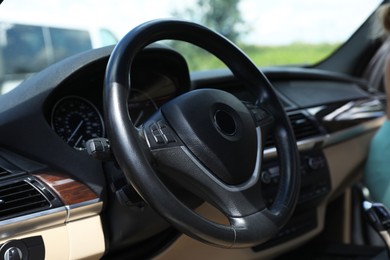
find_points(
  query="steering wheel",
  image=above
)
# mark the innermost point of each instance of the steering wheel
(206, 140)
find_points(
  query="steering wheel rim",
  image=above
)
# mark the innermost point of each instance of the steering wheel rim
(251, 224)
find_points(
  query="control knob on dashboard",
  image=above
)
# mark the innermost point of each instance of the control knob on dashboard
(315, 163)
(13, 253)
(13, 250)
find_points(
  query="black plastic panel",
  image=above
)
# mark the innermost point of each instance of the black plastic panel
(315, 185)
(314, 92)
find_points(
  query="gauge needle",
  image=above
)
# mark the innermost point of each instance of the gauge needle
(78, 140)
(75, 131)
(139, 118)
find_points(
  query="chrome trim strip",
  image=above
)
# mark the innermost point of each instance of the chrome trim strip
(31, 216)
(67, 213)
(29, 181)
(85, 209)
(303, 145)
(85, 203)
(331, 139)
(30, 222)
(49, 218)
(354, 131)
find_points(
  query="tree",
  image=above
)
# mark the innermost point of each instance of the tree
(222, 16)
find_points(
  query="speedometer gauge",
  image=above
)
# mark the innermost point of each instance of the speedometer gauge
(76, 120)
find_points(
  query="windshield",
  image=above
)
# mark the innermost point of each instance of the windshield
(279, 32)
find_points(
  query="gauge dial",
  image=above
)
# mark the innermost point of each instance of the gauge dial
(76, 120)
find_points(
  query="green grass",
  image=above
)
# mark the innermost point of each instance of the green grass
(297, 53)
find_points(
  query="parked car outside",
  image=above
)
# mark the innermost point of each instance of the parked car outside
(28, 48)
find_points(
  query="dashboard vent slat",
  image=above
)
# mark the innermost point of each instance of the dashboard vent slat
(21, 198)
(4, 172)
(302, 126)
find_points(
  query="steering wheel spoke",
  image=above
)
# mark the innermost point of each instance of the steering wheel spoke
(180, 166)
(159, 134)
(262, 118)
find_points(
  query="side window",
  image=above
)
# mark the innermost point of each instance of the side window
(23, 49)
(66, 42)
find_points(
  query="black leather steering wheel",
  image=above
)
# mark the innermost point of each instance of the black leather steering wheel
(207, 140)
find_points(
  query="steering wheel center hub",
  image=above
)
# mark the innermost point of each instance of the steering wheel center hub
(225, 122)
(218, 130)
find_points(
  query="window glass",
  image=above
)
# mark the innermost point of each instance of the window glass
(23, 49)
(278, 32)
(67, 42)
(272, 33)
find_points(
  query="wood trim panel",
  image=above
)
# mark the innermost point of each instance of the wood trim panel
(69, 190)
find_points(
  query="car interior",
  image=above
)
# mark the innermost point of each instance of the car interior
(122, 152)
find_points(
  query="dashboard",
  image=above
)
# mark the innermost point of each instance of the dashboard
(46, 122)
(75, 111)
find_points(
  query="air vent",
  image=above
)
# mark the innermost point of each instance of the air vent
(302, 126)
(20, 198)
(9, 170)
(4, 172)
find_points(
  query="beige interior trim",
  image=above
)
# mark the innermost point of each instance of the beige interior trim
(86, 238)
(55, 239)
(48, 218)
(345, 158)
(81, 239)
(187, 248)
(29, 223)
(346, 165)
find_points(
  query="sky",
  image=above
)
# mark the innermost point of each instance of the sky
(270, 22)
